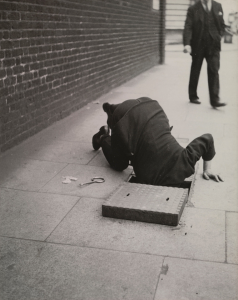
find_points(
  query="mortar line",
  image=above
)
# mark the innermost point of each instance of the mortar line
(104, 198)
(115, 14)
(226, 237)
(47, 160)
(53, 193)
(96, 154)
(52, 177)
(157, 284)
(45, 240)
(115, 250)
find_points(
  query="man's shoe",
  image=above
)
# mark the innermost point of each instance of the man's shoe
(195, 101)
(97, 137)
(218, 104)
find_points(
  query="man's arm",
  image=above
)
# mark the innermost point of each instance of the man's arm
(222, 22)
(187, 33)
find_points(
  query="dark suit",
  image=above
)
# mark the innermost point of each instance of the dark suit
(203, 31)
(140, 133)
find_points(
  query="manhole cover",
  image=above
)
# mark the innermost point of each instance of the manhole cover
(146, 203)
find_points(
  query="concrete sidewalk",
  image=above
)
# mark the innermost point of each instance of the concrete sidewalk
(54, 242)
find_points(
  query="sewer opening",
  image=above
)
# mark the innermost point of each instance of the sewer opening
(184, 185)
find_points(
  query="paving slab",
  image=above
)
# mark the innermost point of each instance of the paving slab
(33, 270)
(99, 160)
(227, 145)
(213, 195)
(221, 116)
(223, 195)
(75, 131)
(231, 130)
(226, 164)
(56, 151)
(201, 234)
(191, 129)
(174, 115)
(140, 86)
(232, 238)
(197, 280)
(31, 215)
(84, 174)
(27, 174)
(115, 96)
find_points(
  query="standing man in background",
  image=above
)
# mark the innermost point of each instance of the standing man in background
(204, 27)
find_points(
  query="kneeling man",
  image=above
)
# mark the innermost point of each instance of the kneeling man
(141, 136)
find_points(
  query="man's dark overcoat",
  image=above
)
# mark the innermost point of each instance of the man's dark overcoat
(141, 133)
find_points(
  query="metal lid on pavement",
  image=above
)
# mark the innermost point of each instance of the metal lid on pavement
(146, 203)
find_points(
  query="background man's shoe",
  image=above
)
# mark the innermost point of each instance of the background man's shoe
(97, 137)
(195, 101)
(218, 104)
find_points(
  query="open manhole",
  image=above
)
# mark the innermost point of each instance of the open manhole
(149, 203)
(187, 184)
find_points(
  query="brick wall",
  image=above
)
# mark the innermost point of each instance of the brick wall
(162, 31)
(58, 55)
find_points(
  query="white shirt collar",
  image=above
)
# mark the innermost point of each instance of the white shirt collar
(209, 4)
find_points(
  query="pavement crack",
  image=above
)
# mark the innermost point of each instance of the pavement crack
(163, 270)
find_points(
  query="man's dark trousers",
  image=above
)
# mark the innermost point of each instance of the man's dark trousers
(213, 65)
(203, 31)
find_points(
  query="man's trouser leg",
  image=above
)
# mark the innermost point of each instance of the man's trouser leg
(194, 75)
(213, 66)
(113, 155)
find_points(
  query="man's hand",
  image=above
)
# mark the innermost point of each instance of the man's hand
(187, 49)
(207, 174)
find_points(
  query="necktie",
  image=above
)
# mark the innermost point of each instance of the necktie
(205, 2)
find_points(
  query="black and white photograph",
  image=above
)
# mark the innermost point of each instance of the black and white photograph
(118, 150)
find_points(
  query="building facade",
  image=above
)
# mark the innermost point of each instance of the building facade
(176, 11)
(58, 55)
